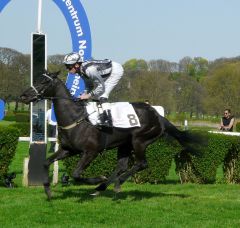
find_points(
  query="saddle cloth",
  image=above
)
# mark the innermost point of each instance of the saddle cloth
(123, 114)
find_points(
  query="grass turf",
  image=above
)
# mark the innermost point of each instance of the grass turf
(165, 205)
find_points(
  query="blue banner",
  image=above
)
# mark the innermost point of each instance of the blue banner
(75, 84)
(3, 3)
(77, 21)
(2, 109)
(78, 25)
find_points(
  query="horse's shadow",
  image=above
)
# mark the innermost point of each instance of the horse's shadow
(132, 195)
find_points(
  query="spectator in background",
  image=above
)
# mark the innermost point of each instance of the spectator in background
(227, 121)
(52, 129)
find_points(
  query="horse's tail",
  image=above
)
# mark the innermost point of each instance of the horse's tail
(186, 139)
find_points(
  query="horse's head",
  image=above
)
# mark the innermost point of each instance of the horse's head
(42, 88)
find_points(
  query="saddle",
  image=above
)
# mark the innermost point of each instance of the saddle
(123, 114)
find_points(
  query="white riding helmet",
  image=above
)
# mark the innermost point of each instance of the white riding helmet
(72, 58)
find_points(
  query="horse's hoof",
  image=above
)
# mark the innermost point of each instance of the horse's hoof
(97, 193)
(103, 178)
(117, 189)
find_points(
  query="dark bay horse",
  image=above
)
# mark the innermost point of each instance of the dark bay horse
(77, 135)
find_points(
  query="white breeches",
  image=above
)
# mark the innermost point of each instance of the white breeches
(112, 81)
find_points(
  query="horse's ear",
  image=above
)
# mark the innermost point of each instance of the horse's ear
(56, 74)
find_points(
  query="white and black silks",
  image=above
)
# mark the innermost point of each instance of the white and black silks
(104, 75)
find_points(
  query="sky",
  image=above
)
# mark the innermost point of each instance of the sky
(126, 29)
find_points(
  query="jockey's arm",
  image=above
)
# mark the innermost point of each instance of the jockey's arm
(99, 87)
(231, 123)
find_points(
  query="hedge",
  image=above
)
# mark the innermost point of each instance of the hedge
(24, 128)
(219, 150)
(203, 169)
(22, 117)
(17, 116)
(222, 150)
(159, 157)
(10, 116)
(231, 165)
(8, 143)
(102, 165)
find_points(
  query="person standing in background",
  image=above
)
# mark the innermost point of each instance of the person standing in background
(52, 129)
(227, 121)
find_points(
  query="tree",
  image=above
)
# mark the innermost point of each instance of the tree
(222, 89)
(153, 86)
(14, 76)
(188, 95)
(196, 68)
(163, 66)
(135, 65)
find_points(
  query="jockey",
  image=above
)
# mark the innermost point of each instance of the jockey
(102, 74)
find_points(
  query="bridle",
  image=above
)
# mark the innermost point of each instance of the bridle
(38, 94)
(39, 97)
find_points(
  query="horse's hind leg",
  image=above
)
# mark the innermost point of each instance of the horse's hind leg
(123, 155)
(140, 164)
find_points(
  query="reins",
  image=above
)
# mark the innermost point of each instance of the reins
(73, 124)
(77, 122)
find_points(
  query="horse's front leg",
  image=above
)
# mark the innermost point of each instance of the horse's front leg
(83, 163)
(60, 154)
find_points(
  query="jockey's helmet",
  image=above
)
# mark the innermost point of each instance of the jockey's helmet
(72, 58)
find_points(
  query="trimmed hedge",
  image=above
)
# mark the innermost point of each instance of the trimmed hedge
(24, 128)
(17, 116)
(203, 169)
(22, 117)
(8, 143)
(231, 166)
(159, 157)
(104, 164)
(10, 116)
(219, 150)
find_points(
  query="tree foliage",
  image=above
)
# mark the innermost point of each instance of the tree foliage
(192, 85)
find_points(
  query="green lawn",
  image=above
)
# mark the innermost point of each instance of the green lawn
(164, 205)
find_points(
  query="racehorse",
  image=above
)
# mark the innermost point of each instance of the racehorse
(78, 136)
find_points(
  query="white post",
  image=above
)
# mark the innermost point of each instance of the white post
(55, 169)
(185, 124)
(39, 16)
(25, 172)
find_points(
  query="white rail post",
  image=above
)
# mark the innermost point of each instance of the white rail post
(39, 16)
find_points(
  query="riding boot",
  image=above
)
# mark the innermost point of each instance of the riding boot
(109, 115)
(105, 117)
